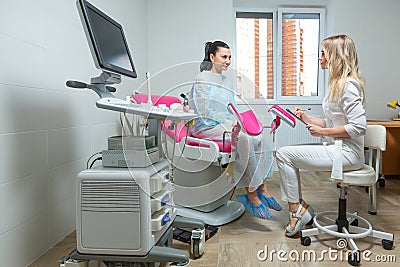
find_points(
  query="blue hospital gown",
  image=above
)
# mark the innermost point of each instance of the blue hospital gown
(210, 95)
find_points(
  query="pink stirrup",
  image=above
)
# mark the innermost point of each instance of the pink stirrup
(247, 120)
(281, 114)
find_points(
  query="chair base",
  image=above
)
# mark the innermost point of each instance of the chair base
(220, 216)
(346, 235)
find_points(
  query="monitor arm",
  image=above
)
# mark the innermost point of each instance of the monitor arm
(106, 78)
(99, 84)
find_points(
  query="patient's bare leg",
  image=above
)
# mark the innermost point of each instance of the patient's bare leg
(253, 197)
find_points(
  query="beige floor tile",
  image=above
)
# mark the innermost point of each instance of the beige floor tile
(239, 243)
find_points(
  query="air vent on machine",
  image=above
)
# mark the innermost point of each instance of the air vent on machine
(110, 196)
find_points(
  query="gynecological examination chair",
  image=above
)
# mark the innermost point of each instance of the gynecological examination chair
(202, 174)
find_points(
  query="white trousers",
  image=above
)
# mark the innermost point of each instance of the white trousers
(308, 157)
(253, 161)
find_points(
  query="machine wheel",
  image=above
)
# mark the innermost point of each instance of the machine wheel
(381, 182)
(354, 258)
(196, 248)
(306, 241)
(387, 244)
(123, 264)
(179, 264)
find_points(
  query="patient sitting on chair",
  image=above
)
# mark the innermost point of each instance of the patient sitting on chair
(210, 95)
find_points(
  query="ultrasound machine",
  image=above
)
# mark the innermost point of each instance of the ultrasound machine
(125, 210)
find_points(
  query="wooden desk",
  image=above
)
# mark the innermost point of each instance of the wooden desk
(390, 157)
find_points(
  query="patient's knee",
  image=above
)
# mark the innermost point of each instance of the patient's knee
(243, 140)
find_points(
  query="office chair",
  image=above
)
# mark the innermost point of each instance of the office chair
(346, 224)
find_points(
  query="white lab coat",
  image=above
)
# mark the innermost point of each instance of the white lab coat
(348, 112)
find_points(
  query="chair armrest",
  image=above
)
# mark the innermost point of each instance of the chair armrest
(207, 151)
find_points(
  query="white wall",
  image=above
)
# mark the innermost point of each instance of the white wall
(373, 25)
(178, 31)
(48, 131)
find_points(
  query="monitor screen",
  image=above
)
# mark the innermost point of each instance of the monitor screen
(106, 40)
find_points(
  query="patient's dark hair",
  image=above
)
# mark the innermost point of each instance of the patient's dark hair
(211, 48)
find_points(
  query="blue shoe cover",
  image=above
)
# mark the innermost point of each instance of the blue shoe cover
(260, 211)
(269, 202)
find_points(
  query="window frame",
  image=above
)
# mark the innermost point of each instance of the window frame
(277, 57)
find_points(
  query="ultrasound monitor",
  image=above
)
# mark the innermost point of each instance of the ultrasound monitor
(106, 41)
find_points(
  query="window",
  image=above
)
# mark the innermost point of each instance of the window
(254, 46)
(277, 54)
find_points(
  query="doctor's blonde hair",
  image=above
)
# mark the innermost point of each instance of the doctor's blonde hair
(341, 55)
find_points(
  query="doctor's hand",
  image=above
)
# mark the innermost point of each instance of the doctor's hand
(315, 130)
(299, 112)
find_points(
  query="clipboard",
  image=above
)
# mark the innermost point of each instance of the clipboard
(288, 110)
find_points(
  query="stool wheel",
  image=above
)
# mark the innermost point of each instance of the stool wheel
(354, 258)
(387, 244)
(381, 182)
(306, 241)
(354, 223)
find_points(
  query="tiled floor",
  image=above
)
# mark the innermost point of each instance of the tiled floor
(239, 243)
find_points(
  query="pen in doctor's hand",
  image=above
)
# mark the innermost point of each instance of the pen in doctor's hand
(305, 109)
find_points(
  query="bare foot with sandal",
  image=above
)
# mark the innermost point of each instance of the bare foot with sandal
(300, 214)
